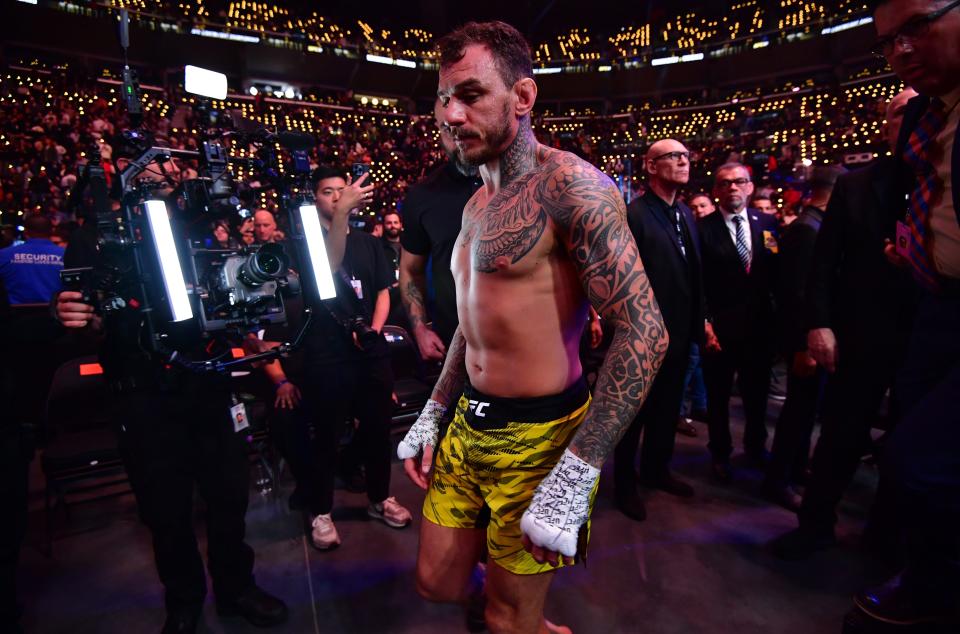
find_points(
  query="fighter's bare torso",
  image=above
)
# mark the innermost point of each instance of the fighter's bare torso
(521, 304)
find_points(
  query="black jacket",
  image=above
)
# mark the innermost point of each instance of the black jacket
(797, 244)
(740, 305)
(676, 279)
(852, 288)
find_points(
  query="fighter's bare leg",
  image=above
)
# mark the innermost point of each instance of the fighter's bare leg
(446, 560)
(515, 602)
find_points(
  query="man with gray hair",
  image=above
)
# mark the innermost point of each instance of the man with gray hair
(739, 249)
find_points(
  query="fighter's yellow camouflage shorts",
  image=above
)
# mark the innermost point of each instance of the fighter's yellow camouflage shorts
(489, 464)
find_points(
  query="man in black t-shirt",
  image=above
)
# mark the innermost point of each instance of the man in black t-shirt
(342, 379)
(432, 213)
(390, 241)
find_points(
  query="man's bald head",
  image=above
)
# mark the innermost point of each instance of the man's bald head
(667, 164)
(264, 226)
(894, 116)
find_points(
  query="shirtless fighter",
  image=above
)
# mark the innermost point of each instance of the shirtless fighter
(542, 240)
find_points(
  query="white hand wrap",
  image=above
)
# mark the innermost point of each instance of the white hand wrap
(561, 505)
(425, 431)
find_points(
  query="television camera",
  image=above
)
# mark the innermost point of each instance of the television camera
(190, 295)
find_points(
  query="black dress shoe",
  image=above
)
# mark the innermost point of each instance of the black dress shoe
(722, 472)
(632, 506)
(897, 603)
(669, 484)
(784, 496)
(800, 543)
(256, 606)
(181, 621)
(685, 427)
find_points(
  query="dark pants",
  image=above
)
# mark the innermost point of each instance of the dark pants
(657, 419)
(923, 453)
(851, 402)
(693, 381)
(16, 450)
(750, 362)
(791, 443)
(332, 394)
(171, 442)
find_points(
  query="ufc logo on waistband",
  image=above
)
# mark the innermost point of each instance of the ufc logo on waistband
(477, 408)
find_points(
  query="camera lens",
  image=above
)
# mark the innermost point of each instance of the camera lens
(269, 262)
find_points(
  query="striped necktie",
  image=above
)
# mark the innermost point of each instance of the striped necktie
(742, 249)
(928, 191)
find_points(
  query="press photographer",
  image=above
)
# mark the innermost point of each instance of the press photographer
(346, 370)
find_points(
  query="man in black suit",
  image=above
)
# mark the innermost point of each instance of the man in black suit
(852, 313)
(739, 256)
(667, 239)
(921, 41)
(791, 444)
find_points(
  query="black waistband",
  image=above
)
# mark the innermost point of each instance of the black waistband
(494, 412)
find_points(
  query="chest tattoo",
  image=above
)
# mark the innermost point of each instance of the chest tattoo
(507, 229)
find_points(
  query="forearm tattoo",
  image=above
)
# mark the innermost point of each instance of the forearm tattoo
(413, 303)
(586, 204)
(450, 384)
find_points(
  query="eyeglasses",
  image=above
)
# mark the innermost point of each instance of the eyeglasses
(910, 31)
(676, 156)
(724, 183)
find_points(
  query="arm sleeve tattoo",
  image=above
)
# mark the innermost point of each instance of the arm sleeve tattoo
(413, 282)
(590, 211)
(454, 375)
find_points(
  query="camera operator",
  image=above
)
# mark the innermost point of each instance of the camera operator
(175, 433)
(347, 370)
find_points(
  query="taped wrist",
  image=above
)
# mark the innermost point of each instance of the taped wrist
(425, 431)
(561, 505)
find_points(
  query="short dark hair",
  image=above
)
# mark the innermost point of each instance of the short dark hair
(761, 197)
(392, 212)
(701, 195)
(38, 226)
(507, 45)
(326, 171)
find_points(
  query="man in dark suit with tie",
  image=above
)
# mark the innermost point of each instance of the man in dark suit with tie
(739, 257)
(921, 41)
(666, 236)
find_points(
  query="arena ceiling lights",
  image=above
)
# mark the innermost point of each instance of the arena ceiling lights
(380, 59)
(846, 25)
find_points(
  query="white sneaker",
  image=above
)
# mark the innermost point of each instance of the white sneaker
(390, 512)
(324, 534)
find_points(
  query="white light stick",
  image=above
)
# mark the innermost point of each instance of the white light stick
(169, 261)
(203, 82)
(317, 248)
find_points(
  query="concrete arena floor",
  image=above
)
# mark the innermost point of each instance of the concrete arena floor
(697, 565)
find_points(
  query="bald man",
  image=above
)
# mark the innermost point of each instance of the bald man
(264, 226)
(666, 235)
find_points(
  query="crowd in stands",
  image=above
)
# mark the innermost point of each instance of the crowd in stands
(49, 125)
(715, 26)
